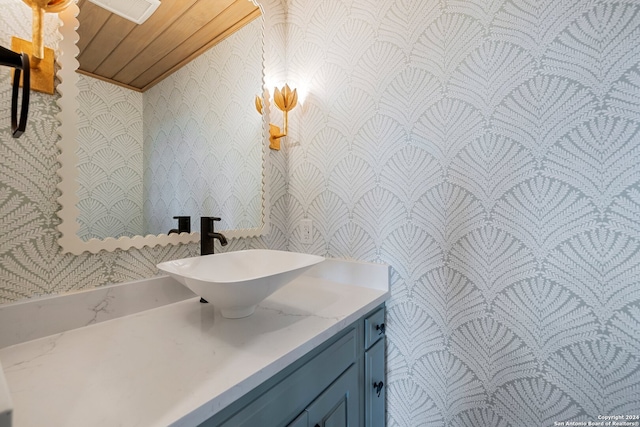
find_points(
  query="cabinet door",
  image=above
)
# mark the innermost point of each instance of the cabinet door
(375, 386)
(337, 406)
(301, 421)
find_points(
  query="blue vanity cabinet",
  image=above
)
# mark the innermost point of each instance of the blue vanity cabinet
(331, 386)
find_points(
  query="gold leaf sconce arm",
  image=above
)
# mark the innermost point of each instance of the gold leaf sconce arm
(42, 58)
(286, 100)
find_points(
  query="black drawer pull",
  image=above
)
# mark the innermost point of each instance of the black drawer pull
(378, 387)
(380, 328)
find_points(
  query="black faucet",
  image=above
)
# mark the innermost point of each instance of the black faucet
(208, 235)
(184, 225)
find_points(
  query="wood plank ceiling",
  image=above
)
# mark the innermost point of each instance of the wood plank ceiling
(139, 56)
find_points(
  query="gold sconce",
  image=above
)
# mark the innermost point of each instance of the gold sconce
(285, 99)
(42, 67)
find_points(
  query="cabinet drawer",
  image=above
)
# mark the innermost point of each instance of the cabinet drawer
(375, 385)
(374, 327)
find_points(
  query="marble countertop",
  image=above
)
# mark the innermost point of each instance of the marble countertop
(180, 363)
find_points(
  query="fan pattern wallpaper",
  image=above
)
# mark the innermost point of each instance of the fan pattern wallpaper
(202, 151)
(110, 194)
(489, 151)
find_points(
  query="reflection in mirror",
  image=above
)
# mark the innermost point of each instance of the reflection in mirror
(190, 145)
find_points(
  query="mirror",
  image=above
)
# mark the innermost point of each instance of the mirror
(131, 161)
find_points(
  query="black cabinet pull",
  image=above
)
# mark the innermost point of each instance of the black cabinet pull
(317, 425)
(378, 387)
(380, 328)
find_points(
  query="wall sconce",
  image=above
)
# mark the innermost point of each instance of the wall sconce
(42, 75)
(285, 99)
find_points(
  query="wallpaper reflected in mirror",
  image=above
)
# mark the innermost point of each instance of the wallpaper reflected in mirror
(190, 145)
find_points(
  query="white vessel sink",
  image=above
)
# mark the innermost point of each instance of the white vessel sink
(236, 282)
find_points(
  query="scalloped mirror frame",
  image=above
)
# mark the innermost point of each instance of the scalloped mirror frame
(67, 144)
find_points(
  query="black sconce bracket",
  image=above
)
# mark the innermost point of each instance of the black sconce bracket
(19, 61)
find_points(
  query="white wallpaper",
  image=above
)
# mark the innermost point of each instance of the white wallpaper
(488, 150)
(110, 194)
(202, 134)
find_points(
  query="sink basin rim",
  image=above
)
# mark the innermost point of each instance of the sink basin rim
(197, 268)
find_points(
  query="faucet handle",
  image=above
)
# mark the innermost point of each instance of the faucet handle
(206, 223)
(209, 220)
